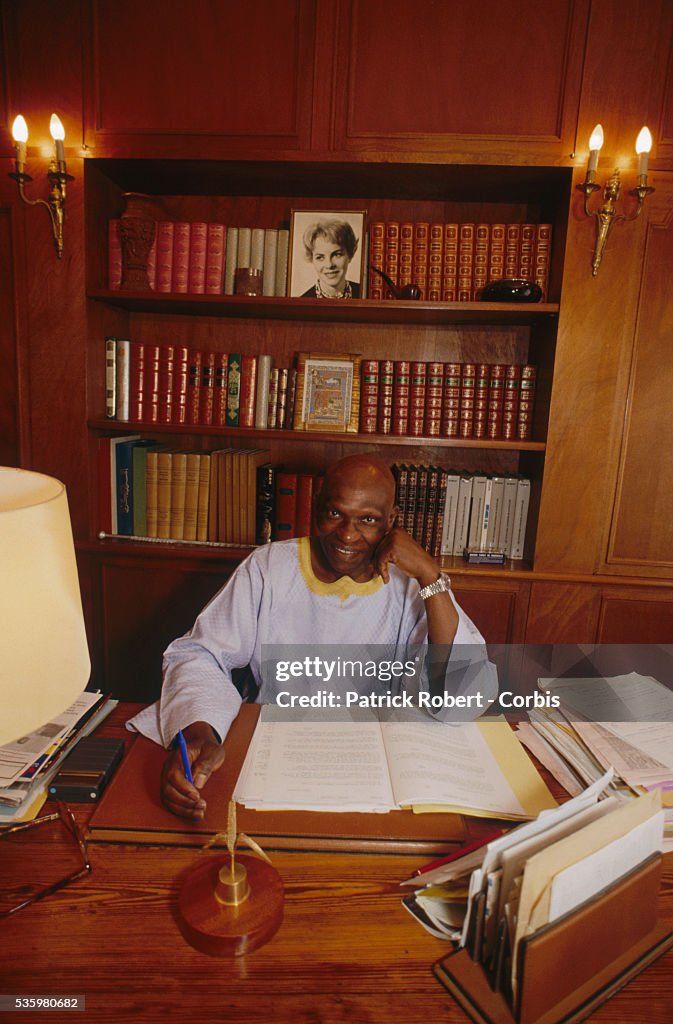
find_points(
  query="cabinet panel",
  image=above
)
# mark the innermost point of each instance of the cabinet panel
(642, 532)
(144, 607)
(199, 75)
(636, 620)
(562, 613)
(497, 609)
(426, 77)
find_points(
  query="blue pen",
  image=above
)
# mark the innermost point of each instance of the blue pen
(185, 757)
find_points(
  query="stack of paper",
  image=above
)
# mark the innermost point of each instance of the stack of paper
(624, 722)
(28, 765)
(338, 764)
(535, 874)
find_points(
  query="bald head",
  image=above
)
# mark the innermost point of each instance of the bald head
(361, 472)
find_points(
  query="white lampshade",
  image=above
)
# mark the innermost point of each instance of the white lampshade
(44, 658)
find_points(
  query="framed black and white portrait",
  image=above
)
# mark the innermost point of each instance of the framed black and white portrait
(327, 254)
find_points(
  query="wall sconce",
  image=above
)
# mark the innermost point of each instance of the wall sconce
(607, 215)
(56, 173)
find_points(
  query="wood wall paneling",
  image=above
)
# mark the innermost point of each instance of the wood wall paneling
(199, 79)
(644, 619)
(641, 538)
(10, 437)
(427, 77)
(562, 613)
(145, 606)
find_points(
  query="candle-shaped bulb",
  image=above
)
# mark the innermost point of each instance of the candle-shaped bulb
(595, 146)
(20, 135)
(643, 147)
(58, 135)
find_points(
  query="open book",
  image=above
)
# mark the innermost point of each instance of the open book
(338, 763)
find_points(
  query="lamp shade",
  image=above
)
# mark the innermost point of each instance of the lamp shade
(44, 658)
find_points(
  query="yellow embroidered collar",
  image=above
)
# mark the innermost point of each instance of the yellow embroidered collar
(344, 587)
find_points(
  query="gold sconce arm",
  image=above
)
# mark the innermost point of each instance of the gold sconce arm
(55, 204)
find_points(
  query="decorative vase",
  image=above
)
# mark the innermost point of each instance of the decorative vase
(138, 229)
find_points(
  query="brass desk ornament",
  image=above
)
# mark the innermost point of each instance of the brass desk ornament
(229, 906)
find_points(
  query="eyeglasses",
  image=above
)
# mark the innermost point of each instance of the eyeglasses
(67, 819)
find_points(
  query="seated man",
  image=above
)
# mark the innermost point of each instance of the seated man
(357, 580)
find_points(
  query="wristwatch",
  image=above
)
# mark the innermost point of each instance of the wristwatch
(440, 586)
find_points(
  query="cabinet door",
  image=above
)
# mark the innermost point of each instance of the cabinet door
(199, 78)
(143, 608)
(499, 83)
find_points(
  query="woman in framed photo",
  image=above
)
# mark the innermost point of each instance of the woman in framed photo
(329, 246)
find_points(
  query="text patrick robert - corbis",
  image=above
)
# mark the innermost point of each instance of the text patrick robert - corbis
(323, 671)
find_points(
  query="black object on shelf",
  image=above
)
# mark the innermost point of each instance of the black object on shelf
(511, 290)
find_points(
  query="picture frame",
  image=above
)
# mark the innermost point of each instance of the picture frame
(330, 235)
(328, 392)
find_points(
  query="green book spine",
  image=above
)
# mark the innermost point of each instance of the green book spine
(233, 390)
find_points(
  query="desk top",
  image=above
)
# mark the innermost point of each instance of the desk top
(346, 951)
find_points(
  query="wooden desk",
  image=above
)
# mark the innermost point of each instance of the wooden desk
(346, 951)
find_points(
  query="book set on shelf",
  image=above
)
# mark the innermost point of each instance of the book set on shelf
(448, 262)
(199, 257)
(448, 511)
(174, 384)
(454, 262)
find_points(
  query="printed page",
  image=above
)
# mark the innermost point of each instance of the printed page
(318, 763)
(451, 766)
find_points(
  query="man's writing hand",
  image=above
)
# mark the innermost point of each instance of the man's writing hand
(401, 549)
(206, 755)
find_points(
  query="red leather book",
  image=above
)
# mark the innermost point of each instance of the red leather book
(482, 243)
(527, 252)
(304, 506)
(166, 379)
(151, 383)
(451, 400)
(152, 265)
(216, 245)
(180, 376)
(207, 388)
(246, 415)
(377, 246)
(400, 421)
(281, 407)
(286, 505)
(434, 397)
(392, 254)
(435, 261)
(417, 396)
(220, 392)
(524, 430)
(496, 258)
(165, 238)
(542, 257)
(406, 254)
(481, 390)
(465, 263)
(181, 242)
(420, 257)
(512, 244)
(369, 395)
(198, 246)
(386, 384)
(496, 399)
(510, 405)
(467, 386)
(194, 386)
(137, 382)
(450, 264)
(114, 256)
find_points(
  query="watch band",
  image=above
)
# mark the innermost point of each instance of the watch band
(441, 585)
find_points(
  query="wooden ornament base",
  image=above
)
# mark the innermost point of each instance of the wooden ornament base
(219, 930)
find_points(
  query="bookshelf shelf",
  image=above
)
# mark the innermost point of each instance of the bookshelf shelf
(307, 436)
(323, 310)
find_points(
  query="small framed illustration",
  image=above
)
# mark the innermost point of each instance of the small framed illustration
(327, 254)
(328, 392)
